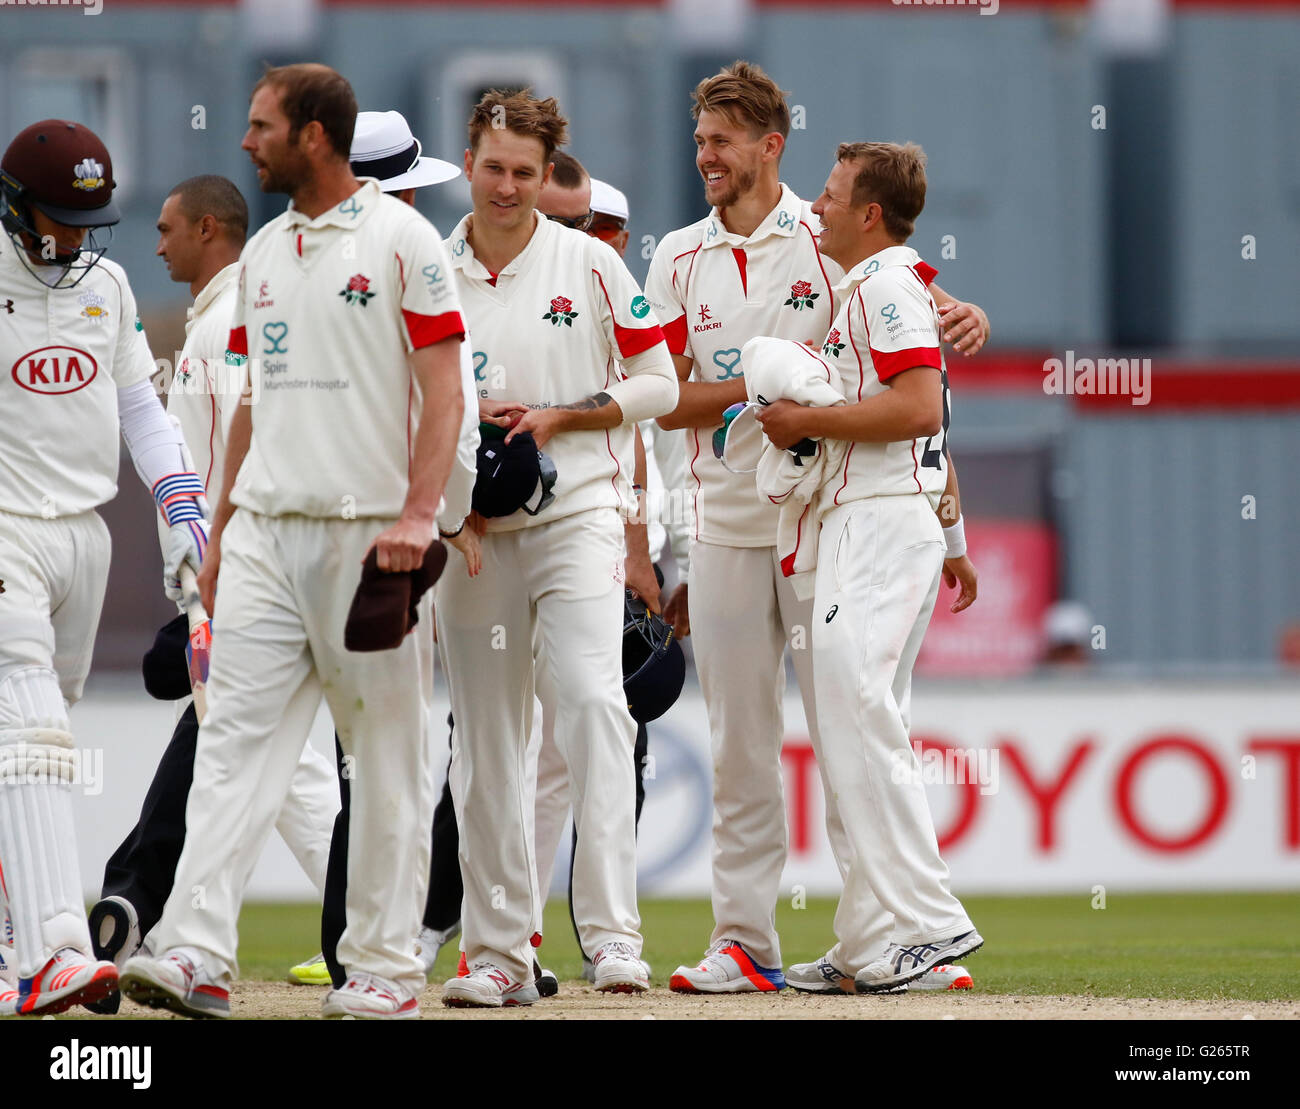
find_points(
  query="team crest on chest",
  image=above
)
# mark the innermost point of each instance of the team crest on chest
(92, 307)
(801, 295)
(561, 312)
(358, 290)
(832, 347)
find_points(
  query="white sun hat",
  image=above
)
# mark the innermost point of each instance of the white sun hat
(383, 147)
(607, 200)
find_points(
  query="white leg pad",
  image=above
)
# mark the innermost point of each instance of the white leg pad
(38, 848)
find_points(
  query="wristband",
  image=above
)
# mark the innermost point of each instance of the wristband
(178, 497)
(955, 538)
(452, 534)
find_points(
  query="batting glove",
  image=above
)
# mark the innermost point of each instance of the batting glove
(181, 501)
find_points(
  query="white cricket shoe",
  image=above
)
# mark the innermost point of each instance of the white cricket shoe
(487, 986)
(900, 965)
(727, 968)
(619, 969)
(589, 970)
(69, 978)
(8, 1001)
(430, 941)
(177, 980)
(370, 997)
(822, 976)
(945, 977)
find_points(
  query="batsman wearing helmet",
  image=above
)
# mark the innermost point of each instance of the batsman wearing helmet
(78, 367)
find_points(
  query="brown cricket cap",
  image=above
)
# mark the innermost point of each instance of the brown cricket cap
(65, 172)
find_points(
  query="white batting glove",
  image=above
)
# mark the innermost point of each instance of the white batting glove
(185, 541)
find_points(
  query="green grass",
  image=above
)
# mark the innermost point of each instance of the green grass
(1240, 946)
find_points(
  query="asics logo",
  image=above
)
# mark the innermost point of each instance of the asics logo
(831, 614)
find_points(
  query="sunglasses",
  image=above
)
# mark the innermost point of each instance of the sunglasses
(607, 228)
(731, 420)
(578, 223)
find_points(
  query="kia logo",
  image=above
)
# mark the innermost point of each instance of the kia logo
(55, 370)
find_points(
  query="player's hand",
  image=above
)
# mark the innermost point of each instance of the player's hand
(784, 423)
(477, 521)
(964, 325)
(961, 570)
(640, 574)
(401, 548)
(676, 614)
(207, 575)
(468, 543)
(542, 422)
(185, 541)
(502, 413)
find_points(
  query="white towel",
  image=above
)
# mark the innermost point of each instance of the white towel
(782, 369)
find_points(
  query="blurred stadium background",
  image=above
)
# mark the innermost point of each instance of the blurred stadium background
(1115, 178)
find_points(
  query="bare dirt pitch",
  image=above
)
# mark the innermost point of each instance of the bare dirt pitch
(579, 1001)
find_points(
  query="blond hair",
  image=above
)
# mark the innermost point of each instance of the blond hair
(890, 175)
(747, 96)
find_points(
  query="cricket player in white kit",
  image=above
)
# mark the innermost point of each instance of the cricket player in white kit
(79, 367)
(553, 312)
(202, 227)
(347, 310)
(751, 267)
(879, 556)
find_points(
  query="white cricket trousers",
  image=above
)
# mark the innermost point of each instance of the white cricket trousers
(878, 569)
(52, 579)
(283, 594)
(563, 580)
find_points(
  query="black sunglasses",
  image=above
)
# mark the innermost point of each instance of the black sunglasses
(578, 223)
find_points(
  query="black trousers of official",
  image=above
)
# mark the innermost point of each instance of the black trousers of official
(143, 867)
(442, 903)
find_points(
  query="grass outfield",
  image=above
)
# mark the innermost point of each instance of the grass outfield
(1208, 946)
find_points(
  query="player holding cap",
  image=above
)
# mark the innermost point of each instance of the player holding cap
(553, 311)
(201, 230)
(880, 553)
(80, 368)
(751, 267)
(347, 309)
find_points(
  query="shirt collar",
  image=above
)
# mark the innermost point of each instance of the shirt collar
(462, 254)
(782, 220)
(219, 283)
(347, 214)
(890, 256)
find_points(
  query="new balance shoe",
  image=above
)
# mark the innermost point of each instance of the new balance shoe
(727, 968)
(619, 969)
(8, 1001)
(177, 980)
(822, 976)
(370, 997)
(487, 986)
(430, 941)
(115, 936)
(311, 972)
(901, 965)
(945, 978)
(69, 978)
(589, 970)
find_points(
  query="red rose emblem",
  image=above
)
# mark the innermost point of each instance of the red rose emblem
(561, 304)
(358, 284)
(800, 289)
(833, 338)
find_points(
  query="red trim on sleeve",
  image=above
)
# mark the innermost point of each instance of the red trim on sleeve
(887, 363)
(925, 272)
(741, 262)
(631, 340)
(675, 335)
(427, 330)
(238, 341)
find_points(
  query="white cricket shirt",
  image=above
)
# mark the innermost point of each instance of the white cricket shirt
(887, 323)
(326, 312)
(552, 328)
(204, 391)
(64, 354)
(715, 291)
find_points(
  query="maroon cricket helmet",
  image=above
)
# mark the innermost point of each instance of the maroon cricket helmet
(62, 169)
